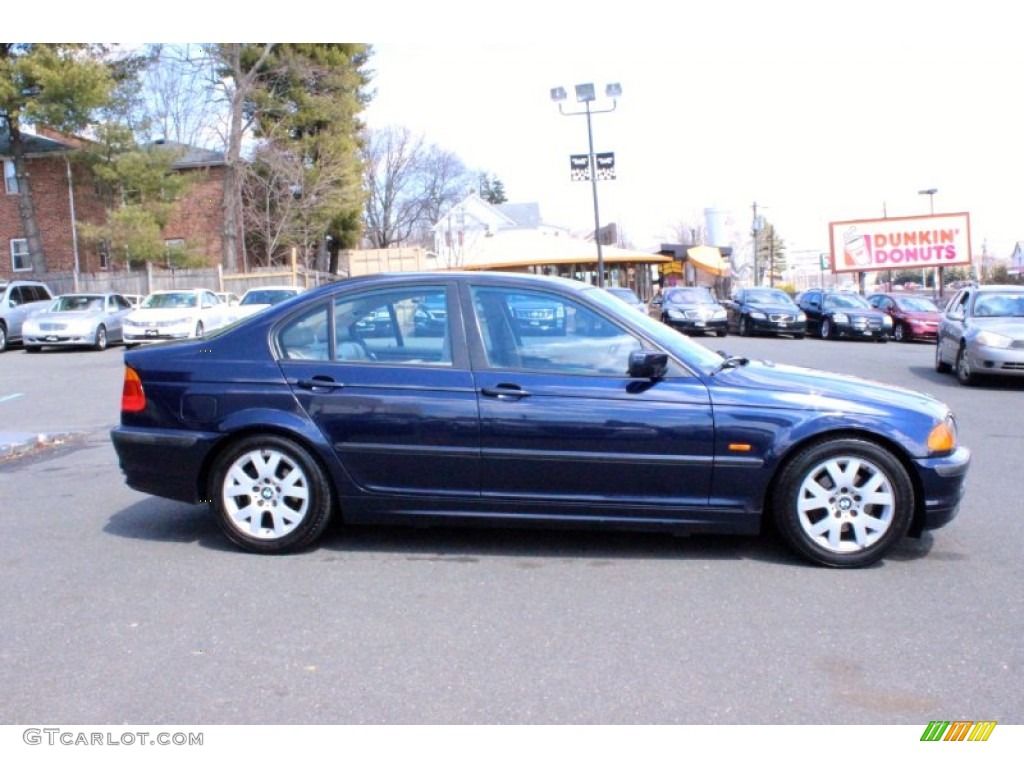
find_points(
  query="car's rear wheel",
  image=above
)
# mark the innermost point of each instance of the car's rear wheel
(101, 339)
(964, 374)
(270, 494)
(843, 502)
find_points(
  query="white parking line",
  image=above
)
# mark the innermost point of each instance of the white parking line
(11, 397)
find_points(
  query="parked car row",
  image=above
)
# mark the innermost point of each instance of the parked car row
(31, 315)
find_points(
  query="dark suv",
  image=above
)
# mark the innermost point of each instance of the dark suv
(18, 300)
(838, 314)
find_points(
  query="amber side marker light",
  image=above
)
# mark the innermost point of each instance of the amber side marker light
(133, 397)
(942, 438)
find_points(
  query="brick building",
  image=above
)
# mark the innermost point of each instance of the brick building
(58, 183)
(64, 194)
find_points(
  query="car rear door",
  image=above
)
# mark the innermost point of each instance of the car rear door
(399, 410)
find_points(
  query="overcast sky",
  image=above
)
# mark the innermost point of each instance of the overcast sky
(842, 114)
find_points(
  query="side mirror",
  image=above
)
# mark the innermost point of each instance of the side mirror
(647, 364)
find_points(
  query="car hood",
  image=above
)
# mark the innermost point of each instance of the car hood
(163, 313)
(773, 308)
(1007, 326)
(67, 316)
(795, 386)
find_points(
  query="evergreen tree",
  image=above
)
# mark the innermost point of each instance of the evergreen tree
(60, 85)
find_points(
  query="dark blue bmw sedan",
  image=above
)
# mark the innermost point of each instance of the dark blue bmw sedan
(298, 415)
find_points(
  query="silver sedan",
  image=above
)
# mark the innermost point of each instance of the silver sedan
(981, 333)
(77, 320)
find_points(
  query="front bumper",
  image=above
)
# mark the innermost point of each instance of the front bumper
(943, 483)
(993, 361)
(687, 325)
(767, 325)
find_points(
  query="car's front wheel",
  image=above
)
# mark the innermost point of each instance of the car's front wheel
(199, 329)
(827, 331)
(843, 502)
(941, 366)
(3, 337)
(964, 374)
(744, 326)
(898, 334)
(270, 494)
(100, 343)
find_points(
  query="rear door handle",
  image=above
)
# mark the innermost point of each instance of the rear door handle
(506, 392)
(319, 383)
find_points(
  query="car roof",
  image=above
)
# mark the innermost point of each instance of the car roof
(482, 277)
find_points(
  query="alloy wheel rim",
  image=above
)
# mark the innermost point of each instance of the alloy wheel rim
(265, 494)
(846, 504)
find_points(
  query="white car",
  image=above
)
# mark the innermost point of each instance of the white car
(186, 314)
(256, 299)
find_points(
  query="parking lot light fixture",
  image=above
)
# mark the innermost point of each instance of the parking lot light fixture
(586, 93)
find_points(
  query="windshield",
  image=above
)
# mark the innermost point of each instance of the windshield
(169, 301)
(846, 301)
(999, 305)
(269, 296)
(689, 296)
(625, 294)
(684, 348)
(768, 297)
(77, 304)
(916, 304)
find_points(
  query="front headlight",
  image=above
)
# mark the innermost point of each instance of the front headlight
(718, 314)
(996, 340)
(757, 315)
(801, 318)
(839, 317)
(676, 314)
(887, 321)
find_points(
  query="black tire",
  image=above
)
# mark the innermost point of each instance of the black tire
(744, 326)
(270, 516)
(3, 337)
(940, 365)
(899, 334)
(32, 348)
(821, 508)
(798, 336)
(199, 329)
(101, 339)
(827, 332)
(883, 339)
(964, 374)
(722, 333)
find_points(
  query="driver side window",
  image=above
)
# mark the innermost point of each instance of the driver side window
(537, 331)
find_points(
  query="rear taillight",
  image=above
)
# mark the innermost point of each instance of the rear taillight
(133, 397)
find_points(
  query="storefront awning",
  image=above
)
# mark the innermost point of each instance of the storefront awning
(708, 259)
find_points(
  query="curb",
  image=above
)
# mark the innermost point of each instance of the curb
(14, 444)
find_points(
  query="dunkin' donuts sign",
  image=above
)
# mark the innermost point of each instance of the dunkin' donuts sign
(912, 242)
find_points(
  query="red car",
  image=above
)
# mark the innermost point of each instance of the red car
(914, 318)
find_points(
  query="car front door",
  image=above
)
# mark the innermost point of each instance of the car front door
(563, 425)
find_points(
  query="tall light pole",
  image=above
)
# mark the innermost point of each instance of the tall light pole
(585, 94)
(755, 230)
(931, 211)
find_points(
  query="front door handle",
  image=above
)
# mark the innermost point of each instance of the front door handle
(506, 392)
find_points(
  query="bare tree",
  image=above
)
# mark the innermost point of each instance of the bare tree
(408, 183)
(179, 97)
